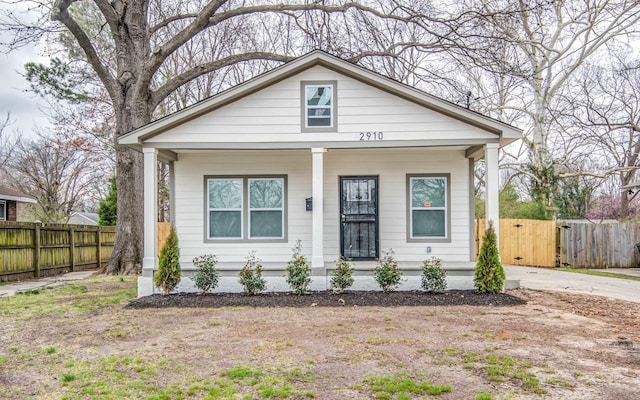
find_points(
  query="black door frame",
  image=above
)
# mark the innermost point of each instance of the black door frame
(376, 179)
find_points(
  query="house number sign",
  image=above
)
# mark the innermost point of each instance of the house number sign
(371, 136)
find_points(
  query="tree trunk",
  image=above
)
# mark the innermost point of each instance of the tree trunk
(128, 250)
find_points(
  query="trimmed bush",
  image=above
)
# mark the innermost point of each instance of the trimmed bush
(387, 273)
(434, 277)
(298, 273)
(489, 276)
(342, 276)
(168, 275)
(251, 275)
(207, 276)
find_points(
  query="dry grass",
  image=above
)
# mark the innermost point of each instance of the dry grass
(79, 342)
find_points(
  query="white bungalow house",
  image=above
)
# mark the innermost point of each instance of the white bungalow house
(323, 151)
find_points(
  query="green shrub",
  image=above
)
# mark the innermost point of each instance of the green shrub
(298, 274)
(251, 275)
(207, 276)
(168, 275)
(342, 276)
(434, 277)
(489, 275)
(387, 273)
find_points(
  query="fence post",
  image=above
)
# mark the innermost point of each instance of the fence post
(99, 248)
(36, 255)
(72, 248)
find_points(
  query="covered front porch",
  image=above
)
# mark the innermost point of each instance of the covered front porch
(313, 179)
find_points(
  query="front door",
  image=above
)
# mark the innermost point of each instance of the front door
(359, 217)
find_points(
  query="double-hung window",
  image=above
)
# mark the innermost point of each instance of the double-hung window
(266, 208)
(319, 106)
(225, 208)
(245, 208)
(3, 210)
(428, 206)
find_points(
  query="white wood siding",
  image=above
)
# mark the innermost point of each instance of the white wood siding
(190, 171)
(391, 165)
(273, 115)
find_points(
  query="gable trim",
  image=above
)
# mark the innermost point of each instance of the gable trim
(319, 58)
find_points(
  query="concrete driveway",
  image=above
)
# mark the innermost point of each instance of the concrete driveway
(551, 279)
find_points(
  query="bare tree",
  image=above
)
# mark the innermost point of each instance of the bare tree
(7, 143)
(607, 120)
(60, 173)
(134, 46)
(542, 44)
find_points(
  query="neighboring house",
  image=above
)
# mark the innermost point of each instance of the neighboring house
(84, 218)
(15, 205)
(329, 153)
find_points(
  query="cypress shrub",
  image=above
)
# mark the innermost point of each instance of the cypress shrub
(489, 275)
(168, 275)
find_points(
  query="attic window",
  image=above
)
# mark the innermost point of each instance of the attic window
(319, 106)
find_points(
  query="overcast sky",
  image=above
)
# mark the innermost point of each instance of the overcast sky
(25, 107)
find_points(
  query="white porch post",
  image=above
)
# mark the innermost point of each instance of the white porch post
(492, 186)
(150, 211)
(317, 235)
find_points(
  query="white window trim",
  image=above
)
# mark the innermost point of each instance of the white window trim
(446, 208)
(304, 107)
(3, 216)
(245, 210)
(281, 209)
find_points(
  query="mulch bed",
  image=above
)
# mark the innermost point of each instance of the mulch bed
(328, 299)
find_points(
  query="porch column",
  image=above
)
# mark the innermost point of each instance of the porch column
(150, 211)
(492, 180)
(317, 235)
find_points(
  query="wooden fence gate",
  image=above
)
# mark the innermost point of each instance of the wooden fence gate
(524, 241)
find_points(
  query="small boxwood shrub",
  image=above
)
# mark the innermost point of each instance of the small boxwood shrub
(387, 273)
(207, 276)
(342, 276)
(251, 275)
(168, 275)
(298, 273)
(434, 277)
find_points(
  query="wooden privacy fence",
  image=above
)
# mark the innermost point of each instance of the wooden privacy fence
(524, 241)
(163, 233)
(30, 250)
(607, 245)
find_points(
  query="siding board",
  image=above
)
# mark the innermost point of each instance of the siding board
(391, 165)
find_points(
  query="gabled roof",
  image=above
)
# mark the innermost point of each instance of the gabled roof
(505, 132)
(92, 218)
(7, 193)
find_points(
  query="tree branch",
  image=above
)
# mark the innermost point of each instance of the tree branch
(208, 18)
(171, 20)
(61, 13)
(163, 91)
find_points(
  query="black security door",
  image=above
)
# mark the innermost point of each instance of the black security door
(359, 217)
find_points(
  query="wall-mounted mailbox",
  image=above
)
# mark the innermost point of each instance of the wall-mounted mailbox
(309, 204)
